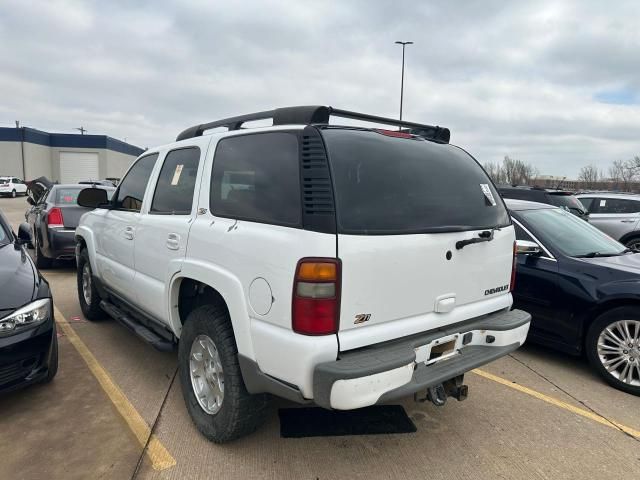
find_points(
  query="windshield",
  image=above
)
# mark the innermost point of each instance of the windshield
(566, 200)
(387, 185)
(569, 234)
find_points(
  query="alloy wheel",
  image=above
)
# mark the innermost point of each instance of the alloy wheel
(207, 375)
(619, 351)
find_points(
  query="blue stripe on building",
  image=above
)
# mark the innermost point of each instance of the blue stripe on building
(67, 140)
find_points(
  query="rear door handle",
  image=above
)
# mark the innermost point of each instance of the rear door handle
(173, 241)
(128, 233)
(628, 221)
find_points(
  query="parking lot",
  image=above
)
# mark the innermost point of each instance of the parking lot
(533, 414)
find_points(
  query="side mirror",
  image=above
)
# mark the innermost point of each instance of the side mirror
(30, 201)
(24, 233)
(525, 247)
(93, 198)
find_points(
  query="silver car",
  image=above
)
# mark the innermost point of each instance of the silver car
(616, 214)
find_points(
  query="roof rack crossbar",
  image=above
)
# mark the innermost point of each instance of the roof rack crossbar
(306, 115)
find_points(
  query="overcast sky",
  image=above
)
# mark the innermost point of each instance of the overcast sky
(553, 83)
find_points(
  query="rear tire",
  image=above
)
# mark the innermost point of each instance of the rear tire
(87, 294)
(610, 354)
(41, 261)
(235, 412)
(633, 244)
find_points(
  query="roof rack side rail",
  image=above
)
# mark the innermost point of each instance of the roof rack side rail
(306, 115)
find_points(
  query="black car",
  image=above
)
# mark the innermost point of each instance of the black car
(582, 289)
(559, 198)
(28, 340)
(54, 215)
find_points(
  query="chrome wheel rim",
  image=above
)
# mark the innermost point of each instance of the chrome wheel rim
(207, 375)
(86, 283)
(634, 245)
(619, 351)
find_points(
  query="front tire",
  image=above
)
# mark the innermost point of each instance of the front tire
(87, 293)
(13, 193)
(613, 348)
(53, 361)
(212, 385)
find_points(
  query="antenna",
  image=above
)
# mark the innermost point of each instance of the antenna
(82, 130)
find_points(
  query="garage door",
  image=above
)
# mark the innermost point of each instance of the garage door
(78, 166)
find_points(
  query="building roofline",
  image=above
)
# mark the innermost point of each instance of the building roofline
(67, 140)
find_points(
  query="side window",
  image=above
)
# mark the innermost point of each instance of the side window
(134, 184)
(521, 234)
(176, 183)
(256, 177)
(587, 203)
(618, 205)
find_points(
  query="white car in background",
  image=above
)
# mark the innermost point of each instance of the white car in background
(12, 186)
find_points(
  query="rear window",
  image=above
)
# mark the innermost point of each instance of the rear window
(566, 200)
(67, 196)
(3, 180)
(387, 185)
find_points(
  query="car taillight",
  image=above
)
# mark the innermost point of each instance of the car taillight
(512, 285)
(55, 218)
(316, 296)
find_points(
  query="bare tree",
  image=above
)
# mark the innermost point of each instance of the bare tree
(589, 176)
(495, 172)
(518, 172)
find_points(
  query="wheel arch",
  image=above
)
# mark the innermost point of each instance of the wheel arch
(629, 236)
(602, 308)
(197, 284)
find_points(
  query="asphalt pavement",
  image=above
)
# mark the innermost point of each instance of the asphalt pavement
(115, 410)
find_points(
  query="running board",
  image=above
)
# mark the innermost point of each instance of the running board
(138, 328)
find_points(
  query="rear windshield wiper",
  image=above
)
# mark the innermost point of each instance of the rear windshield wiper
(485, 236)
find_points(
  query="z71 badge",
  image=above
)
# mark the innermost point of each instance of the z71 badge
(361, 318)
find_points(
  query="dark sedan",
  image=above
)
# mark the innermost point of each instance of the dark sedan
(582, 289)
(28, 341)
(54, 215)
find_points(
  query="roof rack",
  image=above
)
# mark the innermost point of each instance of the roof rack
(306, 115)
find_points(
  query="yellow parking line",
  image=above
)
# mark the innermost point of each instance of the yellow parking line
(160, 458)
(559, 403)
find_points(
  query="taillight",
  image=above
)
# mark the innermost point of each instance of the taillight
(394, 133)
(316, 296)
(54, 218)
(512, 285)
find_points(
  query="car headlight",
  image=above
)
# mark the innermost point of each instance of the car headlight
(27, 316)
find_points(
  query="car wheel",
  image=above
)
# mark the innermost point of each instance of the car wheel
(633, 244)
(212, 384)
(613, 348)
(88, 296)
(13, 193)
(53, 361)
(41, 261)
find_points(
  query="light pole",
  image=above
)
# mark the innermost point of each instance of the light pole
(404, 44)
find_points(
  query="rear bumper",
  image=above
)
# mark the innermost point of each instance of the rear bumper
(390, 370)
(62, 243)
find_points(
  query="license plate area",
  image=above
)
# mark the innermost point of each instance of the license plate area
(439, 350)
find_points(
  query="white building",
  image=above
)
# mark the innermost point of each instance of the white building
(28, 153)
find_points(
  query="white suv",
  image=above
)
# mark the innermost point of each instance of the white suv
(342, 266)
(12, 186)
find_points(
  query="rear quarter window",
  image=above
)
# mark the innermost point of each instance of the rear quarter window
(388, 185)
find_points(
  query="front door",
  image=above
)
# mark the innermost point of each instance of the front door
(115, 242)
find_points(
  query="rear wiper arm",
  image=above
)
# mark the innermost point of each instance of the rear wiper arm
(485, 236)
